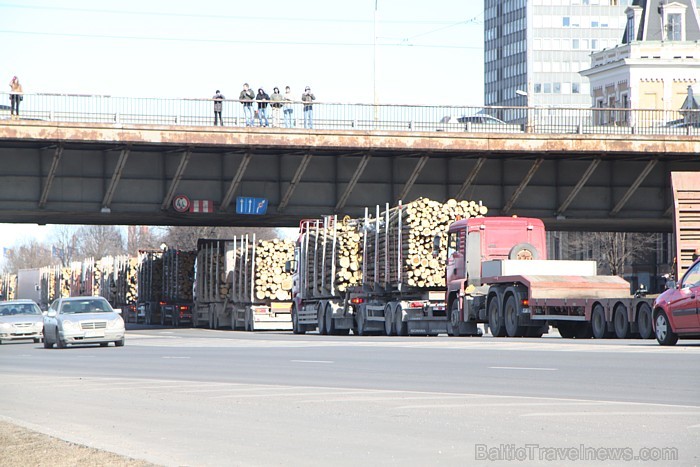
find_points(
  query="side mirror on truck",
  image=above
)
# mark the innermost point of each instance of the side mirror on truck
(290, 266)
(436, 246)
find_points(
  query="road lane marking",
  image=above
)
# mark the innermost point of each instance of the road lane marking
(312, 361)
(521, 368)
(176, 358)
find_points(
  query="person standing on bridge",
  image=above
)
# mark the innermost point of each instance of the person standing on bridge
(218, 105)
(288, 110)
(262, 99)
(15, 96)
(307, 98)
(246, 97)
(276, 107)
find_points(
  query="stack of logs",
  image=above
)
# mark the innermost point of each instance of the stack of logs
(178, 275)
(150, 276)
(271, 281)
(116, 278)
(403, 251)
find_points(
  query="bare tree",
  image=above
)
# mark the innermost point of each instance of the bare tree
(64, 243)
(185, 238)
(614, 251)
(29, 255)
(142, 237)
(98, 241)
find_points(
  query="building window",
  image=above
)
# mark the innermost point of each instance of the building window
(630, 28)
(547, 88)
(574, 44)
(673, 27)
(575, 88)
(538, 88)
(566, 21)
(557, 88)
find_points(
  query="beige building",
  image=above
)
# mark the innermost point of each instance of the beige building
(654, 66)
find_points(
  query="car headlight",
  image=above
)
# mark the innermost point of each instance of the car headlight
(39, 325)
(116, 323)
(70, 326)
(5, 325)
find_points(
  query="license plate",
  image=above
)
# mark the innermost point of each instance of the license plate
(94, 333)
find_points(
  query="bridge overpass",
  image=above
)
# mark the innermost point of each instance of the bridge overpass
(125, 173)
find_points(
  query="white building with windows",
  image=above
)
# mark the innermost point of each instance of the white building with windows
(538, 48)
(656, 63)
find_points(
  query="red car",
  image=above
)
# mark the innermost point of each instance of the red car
(676, 311)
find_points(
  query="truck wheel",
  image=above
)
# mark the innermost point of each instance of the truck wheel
(598, 324)
(566, 330)
(330, 323)
(511, 318)
(621, 322)
(453, 322)
(389, 328)
(400, 325)
(644, 321)
(523, 251)
(496, 318)
(320, 312)
(360, 317)
(664, 333)
(296, 328)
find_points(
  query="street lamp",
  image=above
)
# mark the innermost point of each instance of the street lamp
(526, 95)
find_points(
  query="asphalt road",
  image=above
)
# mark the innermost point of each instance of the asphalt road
(202, 397)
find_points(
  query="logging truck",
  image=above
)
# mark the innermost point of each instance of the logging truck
(116, 282)
(376, 274)
(498, 274)
(240, 283)
(176, 303)
(150, 286)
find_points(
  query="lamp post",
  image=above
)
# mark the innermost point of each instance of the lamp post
(526, 95)
(374, 64)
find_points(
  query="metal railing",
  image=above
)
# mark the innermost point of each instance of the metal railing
(364, 117)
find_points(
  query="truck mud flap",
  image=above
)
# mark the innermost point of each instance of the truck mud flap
(424, 328)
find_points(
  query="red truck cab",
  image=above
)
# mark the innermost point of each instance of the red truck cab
(676, 311)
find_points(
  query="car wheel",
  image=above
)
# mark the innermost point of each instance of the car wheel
(664, 333)
(119, 343)
(47, 344)
(59, 343)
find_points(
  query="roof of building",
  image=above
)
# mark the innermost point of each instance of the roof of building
(651, 24)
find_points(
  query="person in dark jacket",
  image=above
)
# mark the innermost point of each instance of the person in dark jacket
(307, 98)
(246, 97)
(218, 105)
(262, 99)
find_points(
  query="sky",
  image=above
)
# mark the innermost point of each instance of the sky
(347, 51)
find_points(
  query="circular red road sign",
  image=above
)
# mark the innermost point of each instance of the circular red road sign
(181, 203)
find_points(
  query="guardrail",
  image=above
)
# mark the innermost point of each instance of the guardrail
(367, 117)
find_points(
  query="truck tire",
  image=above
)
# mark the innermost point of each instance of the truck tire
(400, 325)
(523, 251)
(453, 322)
(320, 314)
(330, 322)
(360, 318)
(664, 333)
(644, 321)
(511, 318)
(598, 324)
(621, 322)
(389, 328)
(296, 328)
(496, 318)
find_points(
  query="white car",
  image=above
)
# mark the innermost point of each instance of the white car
(82, 320)
(20, 319)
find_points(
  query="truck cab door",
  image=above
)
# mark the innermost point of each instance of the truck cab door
(455, 257)
(685, 304)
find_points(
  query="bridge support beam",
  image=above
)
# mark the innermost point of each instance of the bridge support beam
(235, 181)
(353, 181)
(116, 176)
(518, 191)
(294, 182)
(579, 185)
(631, 190)
(184, 159)
(470, 178)
(50, 176)
(414, 176)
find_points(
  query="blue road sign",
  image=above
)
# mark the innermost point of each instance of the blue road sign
(254, 206)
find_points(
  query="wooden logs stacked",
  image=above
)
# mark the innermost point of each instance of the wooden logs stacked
(271, 280)
(8, 286)
(178, 275)
(150, 276)
(401, 240)
(51, 278)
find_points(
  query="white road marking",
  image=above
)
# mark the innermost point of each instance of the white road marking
(177, 358)
(643, 413)
(521, 368)
(312, 361)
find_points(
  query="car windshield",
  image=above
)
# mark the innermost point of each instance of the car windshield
(10, 309)
(85, 306)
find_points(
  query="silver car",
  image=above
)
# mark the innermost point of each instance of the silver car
(20, 319)
(82, 320)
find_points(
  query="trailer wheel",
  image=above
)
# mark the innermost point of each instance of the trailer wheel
(496, 318)
(389, 327)
(644, 321)
(621, 322)
(330, 322)
(598, 324)
(511, 318)
(664, 333)
(360, 317)
(296, 329)
(523, 251)
(320, 312)
(400, 325)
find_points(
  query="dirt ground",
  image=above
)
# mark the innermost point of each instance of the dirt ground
(20, 446)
